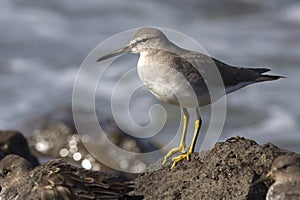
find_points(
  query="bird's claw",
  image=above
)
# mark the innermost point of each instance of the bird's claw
(173, 151)
(180, 158)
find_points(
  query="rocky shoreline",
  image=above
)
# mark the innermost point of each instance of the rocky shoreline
(227, 171)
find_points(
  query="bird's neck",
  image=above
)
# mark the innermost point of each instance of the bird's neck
(144, 59)
(153, 56)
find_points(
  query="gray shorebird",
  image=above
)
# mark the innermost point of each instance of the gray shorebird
(56, 179)
(179, 77)
(285, 171)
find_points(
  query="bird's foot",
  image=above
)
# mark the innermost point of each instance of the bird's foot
(180, 158)
(173, 151)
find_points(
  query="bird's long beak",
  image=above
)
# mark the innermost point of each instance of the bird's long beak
(120, 51)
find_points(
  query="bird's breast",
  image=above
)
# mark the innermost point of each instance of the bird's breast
(165, 82)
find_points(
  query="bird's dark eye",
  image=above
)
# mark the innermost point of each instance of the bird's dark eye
(144, 40)
(6, 172)
(285, 166)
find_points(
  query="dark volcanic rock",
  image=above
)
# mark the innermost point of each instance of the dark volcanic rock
(13, 142)
(226, 172)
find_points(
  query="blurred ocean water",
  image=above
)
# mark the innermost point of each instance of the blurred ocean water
(43, 43)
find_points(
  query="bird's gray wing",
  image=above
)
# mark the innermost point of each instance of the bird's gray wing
(200, 71)
(236, 74)
(232, 77)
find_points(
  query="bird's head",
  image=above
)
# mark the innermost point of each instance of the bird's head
(13, 170)
(144, 40)
(285, 168)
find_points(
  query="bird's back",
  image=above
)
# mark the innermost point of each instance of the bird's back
(60, 180)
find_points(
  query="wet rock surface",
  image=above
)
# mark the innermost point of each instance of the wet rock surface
(228, 171)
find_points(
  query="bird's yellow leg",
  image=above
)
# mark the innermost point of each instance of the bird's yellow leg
(181, 147)
(186, 155)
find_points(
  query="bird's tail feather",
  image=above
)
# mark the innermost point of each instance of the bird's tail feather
(265, 77)
(268, 78)
(261, 70)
